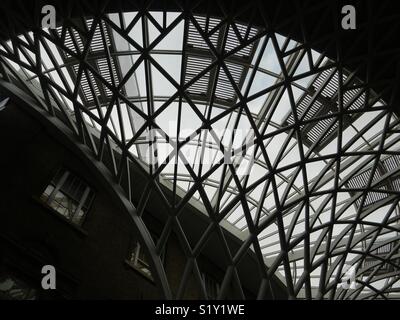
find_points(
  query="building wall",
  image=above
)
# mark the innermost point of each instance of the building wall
(90, 261)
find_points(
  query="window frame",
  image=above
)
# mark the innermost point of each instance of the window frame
(62, 174)
(135, 250)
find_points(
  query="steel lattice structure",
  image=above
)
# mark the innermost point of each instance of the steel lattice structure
(160, 91)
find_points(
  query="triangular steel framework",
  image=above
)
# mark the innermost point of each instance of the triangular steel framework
(323, 187)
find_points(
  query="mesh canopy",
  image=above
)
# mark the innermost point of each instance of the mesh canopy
(269, 139)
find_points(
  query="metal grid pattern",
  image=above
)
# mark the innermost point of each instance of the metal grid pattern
(304, 210)
(321, 99)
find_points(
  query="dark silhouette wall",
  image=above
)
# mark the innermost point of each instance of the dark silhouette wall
(90, 260)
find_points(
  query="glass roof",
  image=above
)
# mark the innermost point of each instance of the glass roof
(275, 139)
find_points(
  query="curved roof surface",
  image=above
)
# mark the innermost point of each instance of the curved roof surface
(272, 140)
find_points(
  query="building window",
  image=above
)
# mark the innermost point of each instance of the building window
(138, 260)
(12, 288)
(211, 285)
(68, 195)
